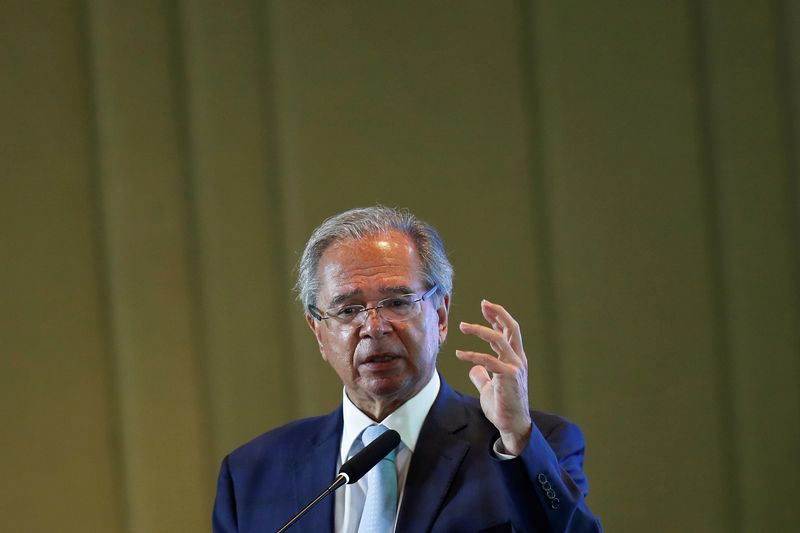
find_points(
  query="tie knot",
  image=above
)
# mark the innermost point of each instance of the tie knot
(373, 432)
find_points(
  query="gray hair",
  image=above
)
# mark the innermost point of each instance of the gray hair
(367, 221)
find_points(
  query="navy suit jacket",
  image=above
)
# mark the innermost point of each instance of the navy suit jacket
(454, 483)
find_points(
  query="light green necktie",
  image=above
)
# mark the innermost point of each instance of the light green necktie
(380, 506)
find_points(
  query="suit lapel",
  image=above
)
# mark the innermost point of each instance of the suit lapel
(316, 468)
(434, 464)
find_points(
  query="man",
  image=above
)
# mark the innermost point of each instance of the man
(376, 284)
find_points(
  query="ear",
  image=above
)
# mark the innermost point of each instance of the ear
(443, 311)
(316, 328)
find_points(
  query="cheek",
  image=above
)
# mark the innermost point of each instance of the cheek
(337, 344)
(426, 338)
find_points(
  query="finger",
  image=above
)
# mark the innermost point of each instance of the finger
(479, 377)
(496, 339)
(482, 332)
(496, 314)
(501, 319)
(492, 364)
(496, 324)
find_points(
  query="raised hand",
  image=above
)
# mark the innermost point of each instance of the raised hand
(502, 381)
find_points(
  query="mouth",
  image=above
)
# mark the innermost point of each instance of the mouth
(379, 358)
(380, 362)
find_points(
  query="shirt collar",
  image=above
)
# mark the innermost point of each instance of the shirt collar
(406, 420)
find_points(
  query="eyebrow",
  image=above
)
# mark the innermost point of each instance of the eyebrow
(397, 290)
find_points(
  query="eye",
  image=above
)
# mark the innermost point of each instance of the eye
(349, 310)
(396, 303)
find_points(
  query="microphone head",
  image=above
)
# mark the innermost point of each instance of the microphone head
(363, 461)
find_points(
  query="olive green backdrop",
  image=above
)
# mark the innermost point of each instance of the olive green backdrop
(623, 176)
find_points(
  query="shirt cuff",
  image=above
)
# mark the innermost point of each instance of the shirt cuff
(500, 451)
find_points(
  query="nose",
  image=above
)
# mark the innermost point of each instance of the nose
(374, 324)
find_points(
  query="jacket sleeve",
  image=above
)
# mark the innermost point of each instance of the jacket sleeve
(224, 516)
(546, 484)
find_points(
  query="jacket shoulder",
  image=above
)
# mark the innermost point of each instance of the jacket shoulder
(560, 432)
(280, 443)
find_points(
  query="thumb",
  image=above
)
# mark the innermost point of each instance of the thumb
(479, 377)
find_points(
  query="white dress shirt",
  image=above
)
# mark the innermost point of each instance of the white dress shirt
(407, 421)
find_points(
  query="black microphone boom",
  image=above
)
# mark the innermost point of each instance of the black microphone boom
(363, 461)
(355, 468)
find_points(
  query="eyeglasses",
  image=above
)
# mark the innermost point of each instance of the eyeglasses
(394, 309)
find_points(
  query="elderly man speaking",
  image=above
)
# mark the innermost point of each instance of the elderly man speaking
(375, 284)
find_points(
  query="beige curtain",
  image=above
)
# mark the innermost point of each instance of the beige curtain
(623, 176)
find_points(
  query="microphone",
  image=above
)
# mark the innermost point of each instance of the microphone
(355, 468)
(363, 461)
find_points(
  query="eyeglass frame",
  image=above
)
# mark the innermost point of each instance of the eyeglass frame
(316, 312)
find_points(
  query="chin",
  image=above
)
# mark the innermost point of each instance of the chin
(389, 385)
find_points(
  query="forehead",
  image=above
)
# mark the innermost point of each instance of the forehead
(370, 264)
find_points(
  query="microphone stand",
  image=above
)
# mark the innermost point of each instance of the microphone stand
(355, 467)
(340, 480)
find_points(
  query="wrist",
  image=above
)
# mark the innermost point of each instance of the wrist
(513, 443)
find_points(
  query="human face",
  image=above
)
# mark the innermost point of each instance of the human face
(381, 364)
